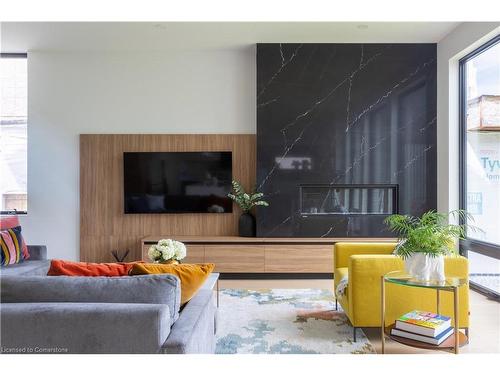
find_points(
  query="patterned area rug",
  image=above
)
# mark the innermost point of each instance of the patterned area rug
(279, 321)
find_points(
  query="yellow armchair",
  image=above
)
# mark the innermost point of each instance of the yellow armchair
(364, 264)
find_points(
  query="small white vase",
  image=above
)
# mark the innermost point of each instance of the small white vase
(425, 268)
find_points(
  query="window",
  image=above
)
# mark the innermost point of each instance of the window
(480, 162)
(13, 133)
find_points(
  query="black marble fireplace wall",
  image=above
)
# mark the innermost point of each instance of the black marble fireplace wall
(346, 134)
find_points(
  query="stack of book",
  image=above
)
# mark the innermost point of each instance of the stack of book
(423, 326)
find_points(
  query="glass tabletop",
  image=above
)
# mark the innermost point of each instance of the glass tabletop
(402, 278)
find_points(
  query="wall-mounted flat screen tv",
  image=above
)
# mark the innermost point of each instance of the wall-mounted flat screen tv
(177, 182)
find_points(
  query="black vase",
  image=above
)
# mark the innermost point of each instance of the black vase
(246, 227)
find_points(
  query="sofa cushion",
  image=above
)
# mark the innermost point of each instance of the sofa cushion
(67, 268)
(192, 276)
(28, 268)
(155, 289)
(8, 222)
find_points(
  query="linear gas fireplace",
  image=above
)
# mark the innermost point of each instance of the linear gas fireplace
(348, 199)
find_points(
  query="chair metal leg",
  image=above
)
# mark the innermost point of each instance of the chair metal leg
(336, 306)
(354, 333)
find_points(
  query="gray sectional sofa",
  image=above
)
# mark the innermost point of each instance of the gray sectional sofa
(68, 314)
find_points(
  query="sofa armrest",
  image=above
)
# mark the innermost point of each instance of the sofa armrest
(211, 281)
(84, 327)
(37, 252)
(365, 272)
(194, 330)
(344, 250)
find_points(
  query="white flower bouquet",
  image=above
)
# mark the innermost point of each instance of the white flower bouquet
(167, 251)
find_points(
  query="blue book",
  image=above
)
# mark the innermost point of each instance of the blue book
(429, 340)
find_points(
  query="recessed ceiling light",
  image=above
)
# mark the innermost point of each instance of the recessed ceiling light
(362, 26)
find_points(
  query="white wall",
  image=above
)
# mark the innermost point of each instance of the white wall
(462, 40)
(80, 92)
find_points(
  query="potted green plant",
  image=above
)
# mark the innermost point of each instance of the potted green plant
(246, 225)
(425, 240)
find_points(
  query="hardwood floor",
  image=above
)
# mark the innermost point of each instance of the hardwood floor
(484, 315)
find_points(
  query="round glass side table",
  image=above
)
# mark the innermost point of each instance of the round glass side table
(451, 284)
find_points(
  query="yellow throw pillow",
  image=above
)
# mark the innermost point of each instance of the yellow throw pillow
(192, 276)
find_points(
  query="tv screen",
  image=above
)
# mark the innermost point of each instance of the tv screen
(177, 182)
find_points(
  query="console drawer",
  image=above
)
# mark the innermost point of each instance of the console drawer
(235, 258)
(299, 258)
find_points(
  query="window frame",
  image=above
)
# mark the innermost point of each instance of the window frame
(469, 244)
(16, 55)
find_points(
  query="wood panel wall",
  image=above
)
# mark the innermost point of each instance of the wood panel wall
(103, 225)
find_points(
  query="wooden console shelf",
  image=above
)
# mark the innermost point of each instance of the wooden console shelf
(232, 254)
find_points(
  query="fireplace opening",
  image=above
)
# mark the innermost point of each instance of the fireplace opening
(352, 199)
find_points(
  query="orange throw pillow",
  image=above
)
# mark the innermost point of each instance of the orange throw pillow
(66, 268)
(192, 276)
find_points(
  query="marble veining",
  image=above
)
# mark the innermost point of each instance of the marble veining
(285, 153)
(386, 95)
(284, 63)
(413, 160)
(344, 114)
(327, 232)
(318, 102)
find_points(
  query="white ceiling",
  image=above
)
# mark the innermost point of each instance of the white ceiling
(158, 36)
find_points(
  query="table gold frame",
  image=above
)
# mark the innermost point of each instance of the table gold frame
(445, 286)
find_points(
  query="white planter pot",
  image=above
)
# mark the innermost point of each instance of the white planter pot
(425, 268)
